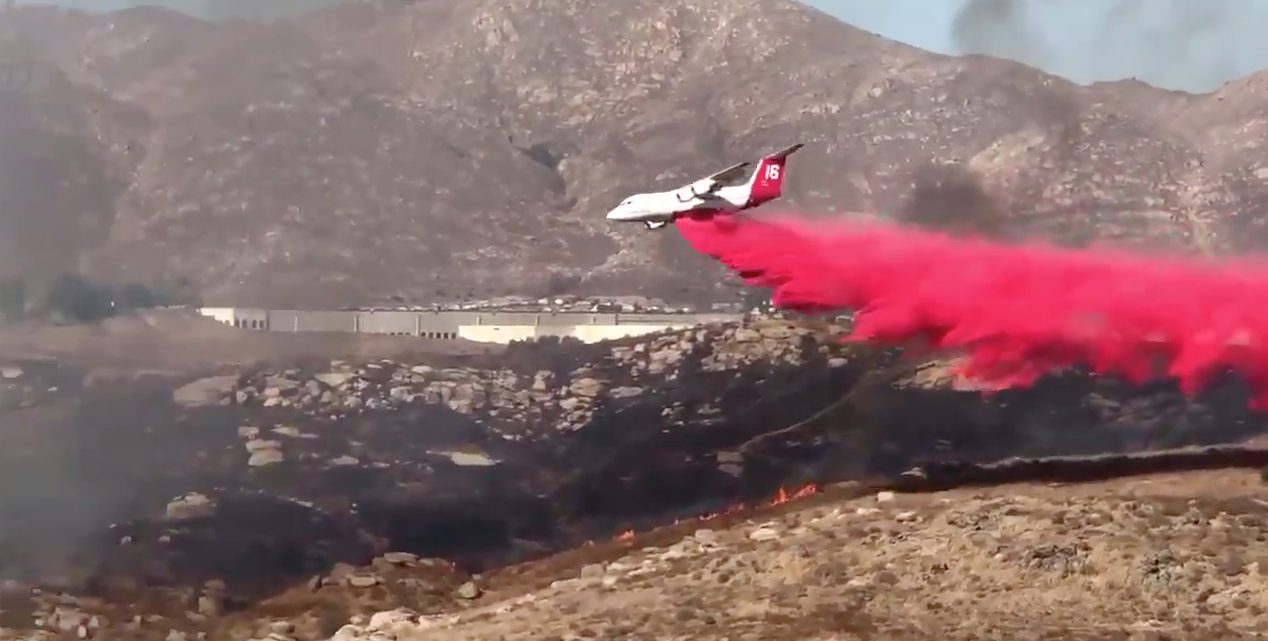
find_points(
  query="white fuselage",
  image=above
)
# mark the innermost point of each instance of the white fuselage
(662, 206)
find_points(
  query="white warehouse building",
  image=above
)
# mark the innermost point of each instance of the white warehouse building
(482, 326)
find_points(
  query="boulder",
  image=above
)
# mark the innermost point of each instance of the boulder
(207, 391)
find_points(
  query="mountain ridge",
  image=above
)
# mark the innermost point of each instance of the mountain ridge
(467, 148)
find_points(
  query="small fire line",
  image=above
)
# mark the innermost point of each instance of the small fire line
(781, 497)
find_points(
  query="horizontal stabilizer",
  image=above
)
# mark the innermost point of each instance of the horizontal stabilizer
(730, 173)
(785, 152)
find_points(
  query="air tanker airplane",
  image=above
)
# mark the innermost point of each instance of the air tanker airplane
(710, 194)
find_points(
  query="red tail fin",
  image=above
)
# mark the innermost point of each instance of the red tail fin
(768, 181)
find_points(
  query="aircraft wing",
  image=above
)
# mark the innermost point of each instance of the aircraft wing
(710, 183)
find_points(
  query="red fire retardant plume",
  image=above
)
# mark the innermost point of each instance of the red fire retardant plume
(1015, 311)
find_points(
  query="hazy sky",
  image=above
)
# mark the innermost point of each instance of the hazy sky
(1182, 44)
(1194, 45)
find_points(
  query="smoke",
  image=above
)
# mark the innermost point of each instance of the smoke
(1194, 45)
(1017, 311)
(951, 198)
(1000, 28)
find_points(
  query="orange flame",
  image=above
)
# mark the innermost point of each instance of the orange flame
(781, 497)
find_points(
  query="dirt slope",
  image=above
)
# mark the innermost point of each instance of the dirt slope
(455, 148)
(1150, 558)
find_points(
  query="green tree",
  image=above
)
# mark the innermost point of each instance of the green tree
(136, 296)
(560, 283)
(12, 298)
(755, 298)
(76, 299)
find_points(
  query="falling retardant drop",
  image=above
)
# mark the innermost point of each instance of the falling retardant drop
(1016, 312)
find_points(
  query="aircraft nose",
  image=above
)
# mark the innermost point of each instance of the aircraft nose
(620, 213)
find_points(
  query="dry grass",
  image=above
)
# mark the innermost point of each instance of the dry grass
(1180, 556)
(1184, 556)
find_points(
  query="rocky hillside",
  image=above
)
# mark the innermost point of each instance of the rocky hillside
(450, 148)
(206, 493)
(1151, 558)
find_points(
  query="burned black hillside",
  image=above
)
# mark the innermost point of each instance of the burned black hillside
(266, 477)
